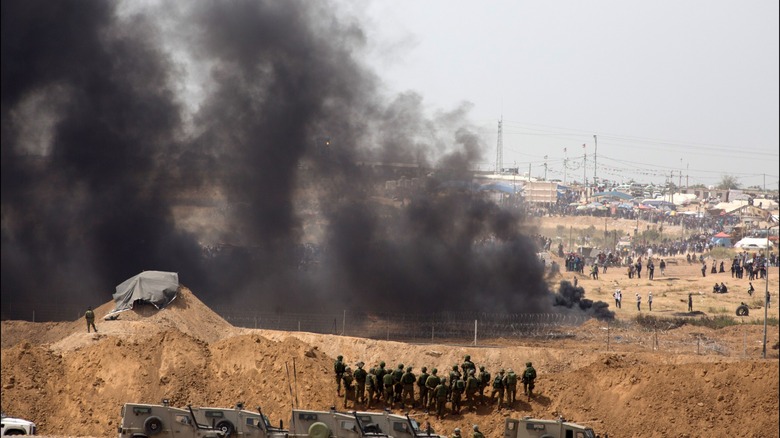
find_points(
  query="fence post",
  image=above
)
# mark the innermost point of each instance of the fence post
(344, 323)
(475, 332)
(432, 325)
(607, 335)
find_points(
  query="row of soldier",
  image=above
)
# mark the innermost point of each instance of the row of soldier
(397, 387)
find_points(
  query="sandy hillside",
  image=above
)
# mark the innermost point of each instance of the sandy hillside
(73, 383)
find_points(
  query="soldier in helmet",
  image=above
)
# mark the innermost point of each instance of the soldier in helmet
(456, 433)
(498, 388)
(407, 385)
(388, 385)
(440, 395)
(472, 386)
(380, 378)
(371, 386)
(360, 376)
(457, 394)
(484, 381)
(349, 391)
(477, 433)
(511, 387)
(338, 368)
(421, 388)
(431, 383)
(529, 376)
(454, 376)
(89, 315)
(397, 385)
(467, 365)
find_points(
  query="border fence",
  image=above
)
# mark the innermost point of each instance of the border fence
(406, 327)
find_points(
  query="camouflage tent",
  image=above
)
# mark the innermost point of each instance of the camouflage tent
(155, 287)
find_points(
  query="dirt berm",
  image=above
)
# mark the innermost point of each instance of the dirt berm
(73, 383)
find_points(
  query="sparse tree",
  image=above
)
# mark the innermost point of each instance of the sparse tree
(728, 182)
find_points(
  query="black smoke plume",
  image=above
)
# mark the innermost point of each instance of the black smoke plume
(218, 140)
(572, 297)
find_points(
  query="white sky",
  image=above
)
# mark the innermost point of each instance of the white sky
(666, 85)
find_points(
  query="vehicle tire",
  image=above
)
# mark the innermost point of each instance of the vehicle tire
(226, 427)
(743, 310)
(153, 426)
(319, 430)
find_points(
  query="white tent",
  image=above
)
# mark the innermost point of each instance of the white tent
(753, 243)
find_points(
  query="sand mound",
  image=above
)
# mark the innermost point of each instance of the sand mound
(74, 383)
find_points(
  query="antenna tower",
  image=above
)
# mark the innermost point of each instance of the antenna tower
(500, 147)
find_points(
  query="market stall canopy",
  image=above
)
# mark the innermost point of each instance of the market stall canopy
(721, 234)
(155, 287)
(613, 194)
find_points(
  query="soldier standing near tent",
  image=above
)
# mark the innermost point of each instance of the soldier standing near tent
(90, 317)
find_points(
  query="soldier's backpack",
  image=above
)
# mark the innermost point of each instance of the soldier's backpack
(472, 383)
(529, 374)
(421, 380)
(511, 379)
(460, 385)
(339, 367)
(485, 378)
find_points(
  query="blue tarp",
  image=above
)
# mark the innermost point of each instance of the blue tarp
(613, 194)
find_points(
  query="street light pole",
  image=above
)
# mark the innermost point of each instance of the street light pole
(766, 292)
(595, 154)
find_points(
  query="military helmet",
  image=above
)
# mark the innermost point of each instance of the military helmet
(467, 357)
(382, 364)
(528, 364)
(372, 371)
(424, 369)
(482, 368)
(502, 371)
(347, 369)
(455, 367)
(339, 357)
(457, 429)
(510, 370)
(471, 371)
(360, 364)
(434, 371)
(400, 366)
(476, 427)
(408, 369)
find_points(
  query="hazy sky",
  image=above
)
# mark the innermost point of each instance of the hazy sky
(666, 86)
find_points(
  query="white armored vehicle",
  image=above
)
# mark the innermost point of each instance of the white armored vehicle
(17, 426)
(528, 427)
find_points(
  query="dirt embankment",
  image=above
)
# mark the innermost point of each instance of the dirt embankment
(74, 383)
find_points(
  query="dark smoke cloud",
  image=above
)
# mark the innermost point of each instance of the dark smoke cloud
(119, 121)
(570, 297)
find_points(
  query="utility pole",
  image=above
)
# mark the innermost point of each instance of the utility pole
(595, 153)
(584, 170)
(545, 167)
(766, 297)
(686, 176)
(500, 147)
(679, 181)
(565, 162)
(529, 172)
